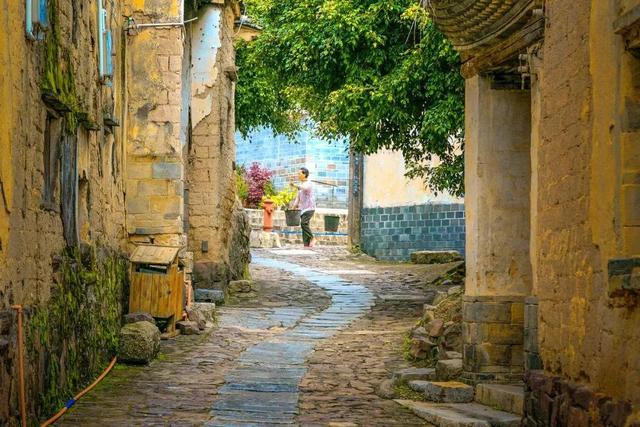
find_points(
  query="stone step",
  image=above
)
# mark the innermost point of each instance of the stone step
(418, 385)
(411, 374)
(509, 398)
(448, 369)
(461, 414)
(447, 392)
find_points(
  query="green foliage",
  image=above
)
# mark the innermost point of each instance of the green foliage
(73, 337)
(376, 71)
(242, 187)
(269, 189)
(282, 199)
(401, 390)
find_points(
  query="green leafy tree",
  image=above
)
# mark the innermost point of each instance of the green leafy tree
(376, 71)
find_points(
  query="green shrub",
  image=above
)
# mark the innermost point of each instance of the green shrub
(242, 188)
(282, 199)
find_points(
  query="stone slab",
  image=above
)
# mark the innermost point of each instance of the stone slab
(461, 414)
(209, 295)
(418, 385)
(508, 398)
(448, 369)
(448, 392)
(415, 374)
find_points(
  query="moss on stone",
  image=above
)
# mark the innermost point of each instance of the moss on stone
(71, 339)
(58, 79)
(401, 390)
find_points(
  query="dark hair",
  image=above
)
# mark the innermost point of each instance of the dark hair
(305, 171)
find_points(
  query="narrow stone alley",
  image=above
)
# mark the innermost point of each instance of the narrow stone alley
(309, 346)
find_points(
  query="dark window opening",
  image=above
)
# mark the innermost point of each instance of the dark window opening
(51, 160)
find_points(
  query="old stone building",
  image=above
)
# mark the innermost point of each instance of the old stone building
(116, 130)
(552, 202)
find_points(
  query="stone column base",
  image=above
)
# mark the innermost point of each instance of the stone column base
(493, 339)
(554, 401)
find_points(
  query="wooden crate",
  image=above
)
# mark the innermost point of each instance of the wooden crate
(157, 283)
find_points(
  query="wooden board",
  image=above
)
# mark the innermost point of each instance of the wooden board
(160, 295)
(160, 255)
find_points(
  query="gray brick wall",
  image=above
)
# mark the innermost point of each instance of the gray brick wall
(393, 233)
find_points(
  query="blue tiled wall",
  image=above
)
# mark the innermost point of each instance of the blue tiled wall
(327, 160)
(393, 233)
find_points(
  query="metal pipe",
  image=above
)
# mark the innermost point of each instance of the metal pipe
(101, 28)
(23, 401)
(29, 19)
(165, 24)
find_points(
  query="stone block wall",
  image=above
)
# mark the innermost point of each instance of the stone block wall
(210, 148)
(155, 169)
(588, 338)
(392, 233)
(38, 186)
(493, 339)
(552, 400)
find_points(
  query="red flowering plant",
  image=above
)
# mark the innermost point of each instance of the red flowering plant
(259, 180)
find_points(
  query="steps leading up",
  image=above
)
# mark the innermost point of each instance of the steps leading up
(461, 414)
(509, 398)
(411, 374)
(448, 392)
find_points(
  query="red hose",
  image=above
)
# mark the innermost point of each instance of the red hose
(71, 402)
(23, 400)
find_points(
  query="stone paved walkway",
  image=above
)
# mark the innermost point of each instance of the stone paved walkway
(308, 349)
(263, 388)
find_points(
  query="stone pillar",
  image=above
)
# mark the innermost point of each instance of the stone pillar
(155, 170)
(212, 151)
(532, 360)
(497, 204)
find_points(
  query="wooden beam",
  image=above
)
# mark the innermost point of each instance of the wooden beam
(626, 21)
(628, 26)
(505, 50)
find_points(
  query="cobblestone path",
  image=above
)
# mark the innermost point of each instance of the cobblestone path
(263, 388)
(308, 348)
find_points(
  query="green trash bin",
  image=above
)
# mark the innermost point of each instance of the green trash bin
(331, 223)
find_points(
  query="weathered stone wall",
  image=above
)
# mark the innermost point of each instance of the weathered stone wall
(65, 63)
(588, 337)
(493, 338)
(155, 169)
(210, 178)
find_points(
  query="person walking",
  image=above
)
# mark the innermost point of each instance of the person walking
(305, 201)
